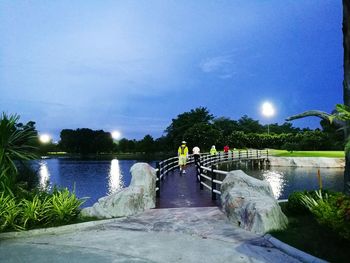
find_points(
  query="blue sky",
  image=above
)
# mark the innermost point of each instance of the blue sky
(134, 65)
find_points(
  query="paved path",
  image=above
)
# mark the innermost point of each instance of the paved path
(160, 235)
(183, 191)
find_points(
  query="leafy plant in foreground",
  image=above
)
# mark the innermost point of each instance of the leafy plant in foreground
(63, 206)
(17, 143)
(332, 211)
(9, 213)
(32, 211)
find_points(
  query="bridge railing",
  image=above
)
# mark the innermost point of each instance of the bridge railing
(211, 178)
(206, 173)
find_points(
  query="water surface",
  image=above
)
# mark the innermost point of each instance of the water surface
(285, 180)
(88, 178)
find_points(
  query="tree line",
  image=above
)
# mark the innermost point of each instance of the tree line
(199, 127)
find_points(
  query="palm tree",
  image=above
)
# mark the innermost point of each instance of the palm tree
(17, 144)
(344, 123)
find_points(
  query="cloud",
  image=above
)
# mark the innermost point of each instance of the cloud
(215, 63)
(223, 67)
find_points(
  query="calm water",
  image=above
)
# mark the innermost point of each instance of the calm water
(90, 178)
(285, 180)
(98, 178)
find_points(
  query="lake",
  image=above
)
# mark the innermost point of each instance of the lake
(89, 178)
(98, 178)
(285, 180)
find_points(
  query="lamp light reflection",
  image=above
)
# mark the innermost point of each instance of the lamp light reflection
(44, 175)
(276, 181)
(115, 181)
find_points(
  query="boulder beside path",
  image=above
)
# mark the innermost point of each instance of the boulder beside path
(139, 196)
(250, 204)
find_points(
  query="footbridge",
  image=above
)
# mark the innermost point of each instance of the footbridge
(200, 185)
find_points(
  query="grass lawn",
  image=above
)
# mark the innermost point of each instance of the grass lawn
(306, 234)
(285, 153)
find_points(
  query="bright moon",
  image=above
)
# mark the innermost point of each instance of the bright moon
(268, 109)
(45, 138)
(116, 135)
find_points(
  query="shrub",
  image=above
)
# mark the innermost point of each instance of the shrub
(43, 209)
(17, 143)
(62, 207)
(330, 210)
(295, 204)
(9, 213)
(33, 212)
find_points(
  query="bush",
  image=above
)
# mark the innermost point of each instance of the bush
(330, 210)
(62, 207)
(295, 204)
(43, 209)
(33, 212)
(9, 213)
(290, 146)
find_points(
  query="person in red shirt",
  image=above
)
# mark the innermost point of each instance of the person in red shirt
(226, 149)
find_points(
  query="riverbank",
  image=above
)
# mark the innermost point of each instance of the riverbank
(317, 162)
(285, 153)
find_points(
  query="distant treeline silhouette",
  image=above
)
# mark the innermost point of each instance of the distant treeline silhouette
(200, 128)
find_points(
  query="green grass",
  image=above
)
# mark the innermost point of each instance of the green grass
(284, 153)
(304, 233)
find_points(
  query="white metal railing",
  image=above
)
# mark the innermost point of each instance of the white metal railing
(206, 166)
(207, 173)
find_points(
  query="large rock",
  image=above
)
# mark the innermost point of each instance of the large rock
(139, 196)
(250, 203)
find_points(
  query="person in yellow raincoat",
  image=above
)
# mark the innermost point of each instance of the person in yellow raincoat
(213, 151)
(182, 153)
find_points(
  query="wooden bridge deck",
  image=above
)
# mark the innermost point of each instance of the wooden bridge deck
(183, 191)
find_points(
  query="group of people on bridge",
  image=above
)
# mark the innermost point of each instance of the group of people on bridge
(183, 154)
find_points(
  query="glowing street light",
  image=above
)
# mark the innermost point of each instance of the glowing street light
(268, 111)
(44, 138)
(116, 135)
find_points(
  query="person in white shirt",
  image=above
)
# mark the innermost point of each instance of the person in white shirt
(196, 152)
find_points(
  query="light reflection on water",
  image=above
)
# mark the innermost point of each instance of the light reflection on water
(276, 180)
(88, 178)
(44, 175)
(115, 180)
(285, 180)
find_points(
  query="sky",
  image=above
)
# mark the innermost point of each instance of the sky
(133, 66)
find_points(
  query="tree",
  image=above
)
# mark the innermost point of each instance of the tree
(146, 145)
(346, 95)
(203, 135)
(176, 130)
(248, 125)
(225, 125)
(286, 127)
(86, 141)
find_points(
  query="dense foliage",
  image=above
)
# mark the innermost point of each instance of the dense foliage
(199, 127)
(22, 205)
(85, 141)
(18, 144)
(330, 209)
(41, 209)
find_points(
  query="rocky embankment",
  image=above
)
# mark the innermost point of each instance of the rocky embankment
(321, 162)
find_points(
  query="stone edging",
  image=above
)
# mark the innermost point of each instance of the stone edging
(54, 230)
(318, 162)
(292, 251)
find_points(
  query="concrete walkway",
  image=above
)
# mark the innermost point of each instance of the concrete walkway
(159, 235)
